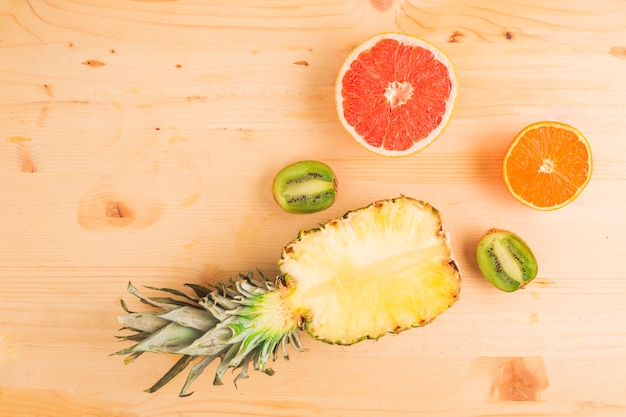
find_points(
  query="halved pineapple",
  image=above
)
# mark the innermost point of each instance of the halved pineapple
(383, 268)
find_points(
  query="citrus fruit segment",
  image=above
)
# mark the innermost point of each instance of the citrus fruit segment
(547, 165)
(395, 94)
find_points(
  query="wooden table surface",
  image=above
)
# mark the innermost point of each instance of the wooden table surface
(139, 139)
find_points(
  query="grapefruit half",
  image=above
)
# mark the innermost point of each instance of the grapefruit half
(395, 93)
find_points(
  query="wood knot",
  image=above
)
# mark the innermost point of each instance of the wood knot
(456, 37)
(105, 207)
(118, 212)
(618, 52)
(381, 5)
(520, 379)
(511, 34)
(94, 63)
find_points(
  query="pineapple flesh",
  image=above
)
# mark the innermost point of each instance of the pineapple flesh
(380, 269)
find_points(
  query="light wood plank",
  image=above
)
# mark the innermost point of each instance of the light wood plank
(138, 142)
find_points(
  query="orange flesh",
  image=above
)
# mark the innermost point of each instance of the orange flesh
(394, 94)
(547, 166)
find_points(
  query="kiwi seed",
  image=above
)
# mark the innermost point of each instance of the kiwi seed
(505, 260)
(305, 187)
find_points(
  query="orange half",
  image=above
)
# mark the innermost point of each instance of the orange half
(547, 165)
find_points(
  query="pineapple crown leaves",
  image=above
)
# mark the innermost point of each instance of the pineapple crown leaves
(218, 322)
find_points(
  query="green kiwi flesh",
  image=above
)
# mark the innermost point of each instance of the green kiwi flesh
(305, 187)
(505, 260)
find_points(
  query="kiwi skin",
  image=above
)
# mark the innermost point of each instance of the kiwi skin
(505, 260)
(305, 187)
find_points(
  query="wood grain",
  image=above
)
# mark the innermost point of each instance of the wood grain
(138, 141)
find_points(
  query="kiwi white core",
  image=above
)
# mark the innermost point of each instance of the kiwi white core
(308, 187)
(509, 264)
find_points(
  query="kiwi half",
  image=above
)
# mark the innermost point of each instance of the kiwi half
(505, 260)
(305, 187)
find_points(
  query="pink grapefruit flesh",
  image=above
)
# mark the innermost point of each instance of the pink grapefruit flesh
(395, 94)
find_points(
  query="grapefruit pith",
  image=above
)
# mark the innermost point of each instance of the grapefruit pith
(395, 94)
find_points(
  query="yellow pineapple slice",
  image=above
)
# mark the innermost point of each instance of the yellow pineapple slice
(384, 268)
